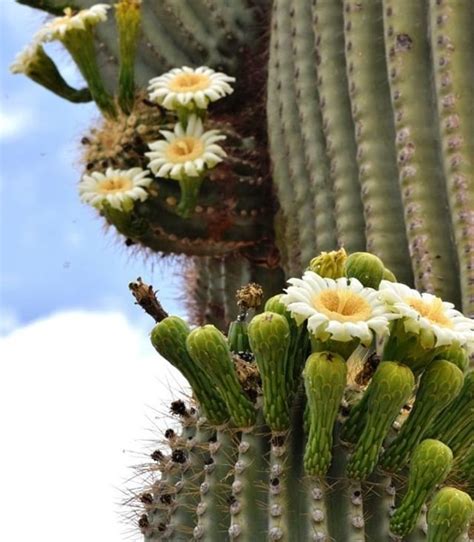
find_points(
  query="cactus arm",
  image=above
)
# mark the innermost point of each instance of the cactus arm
(298, 175)
(213, 510)
(236, 272)
(374, 131)
(309, 113)
(439, 385)
(338, 125)
(380, 501)
(279, 527)
(421, 182)
(215, 303)
(452, 44)
(248, 514)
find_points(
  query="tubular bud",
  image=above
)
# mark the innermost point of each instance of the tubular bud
(329, 264)
(439, 385)
(449, 515)
(429, 466)
(269, 335)
(390, 388)
(208, 348)
(455, 354)
(169, 339)
(365, 267)
(325, 381)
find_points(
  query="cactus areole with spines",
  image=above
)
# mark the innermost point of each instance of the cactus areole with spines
(330, 143)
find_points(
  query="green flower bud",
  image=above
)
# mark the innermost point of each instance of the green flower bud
(388, 275)
(460, 414)
(274, 304)
(269, 335)
(329, 264)
(455, 354)
(365, 267)
(238, 336)
(325, 381)
(439, 385)
(449, 515)
(208, 348)
(429, 466)
(389, 389)
(128, 17)
(169, 339)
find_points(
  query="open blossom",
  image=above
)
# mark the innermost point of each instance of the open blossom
(428, 313)
(340, 309)
(188, 87)
(118, 188)
(26, 58)
(185, 152)
(58, 27)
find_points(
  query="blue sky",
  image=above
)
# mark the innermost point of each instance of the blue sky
(80, 385)
(54, 253)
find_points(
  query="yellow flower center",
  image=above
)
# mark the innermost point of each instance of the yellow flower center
(189, 82)
(112, 185)
(342, 305)
(433, 311)
(183, 149)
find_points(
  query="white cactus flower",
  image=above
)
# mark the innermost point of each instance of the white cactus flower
(119, 188)
(189, 88)
(428, 313)
(58, 27)
(25, 58)
(185, 152)
(340, 309)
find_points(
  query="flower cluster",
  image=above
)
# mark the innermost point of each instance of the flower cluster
(344, 310)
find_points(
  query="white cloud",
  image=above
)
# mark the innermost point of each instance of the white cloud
(76, 390)
(8, 320)
(16, 122)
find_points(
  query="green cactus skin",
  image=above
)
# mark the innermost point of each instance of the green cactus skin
(452, 43)
(209, 350)
(325, 381)
(390, 388)
(269, 336)
(365, 267)
(215, 490)
(309, 114)
(338, 124)
(248, 521)
(183, 517)
(421, 182)
(290, 138)
(455, 354)
(449, 515)
(169, 339)
(458, 416)
(439, 386)
(429, 467)
(374, 131)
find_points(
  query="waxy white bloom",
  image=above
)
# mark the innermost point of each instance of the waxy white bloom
(25, 58)
(428, 313)
(119, 188)
(185, 152)
(340, 309)
(188, 87)
(58, 27)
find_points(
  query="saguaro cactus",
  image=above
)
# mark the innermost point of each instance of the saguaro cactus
(350, 126)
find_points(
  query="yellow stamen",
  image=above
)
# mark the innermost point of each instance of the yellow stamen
(114, 185)
(342, 305)
(432, 311)
(184, 148)
(189, 82)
